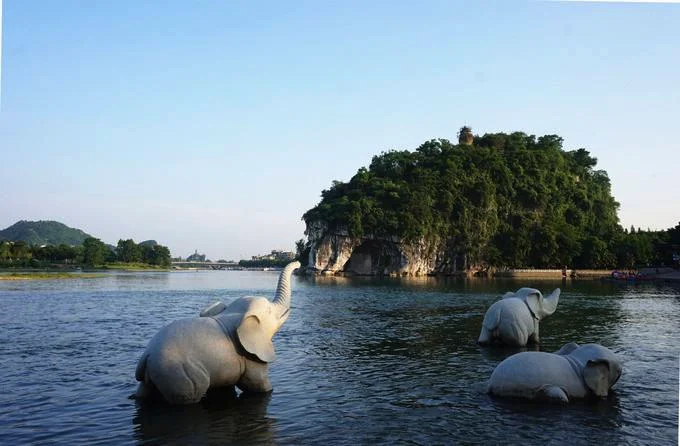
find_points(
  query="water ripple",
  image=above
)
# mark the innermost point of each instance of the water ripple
(359, 362)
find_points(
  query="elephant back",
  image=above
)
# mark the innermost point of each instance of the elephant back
(522, 374)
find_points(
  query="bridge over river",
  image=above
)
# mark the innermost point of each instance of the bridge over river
(205, 265)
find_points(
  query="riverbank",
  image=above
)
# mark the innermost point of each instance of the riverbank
(668, 277)
(646, 274)
(530, 273)
(71, 268)
(129, 267)
(75, 272)
(42, 275)
(662, 274)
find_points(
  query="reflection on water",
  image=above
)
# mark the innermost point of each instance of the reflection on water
(217, 420)
(359, 361)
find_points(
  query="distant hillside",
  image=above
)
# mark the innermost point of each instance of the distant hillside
(43, 233)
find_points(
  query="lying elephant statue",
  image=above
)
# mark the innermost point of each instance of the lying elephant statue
(228, 345)
(514, 319)
(572, 372)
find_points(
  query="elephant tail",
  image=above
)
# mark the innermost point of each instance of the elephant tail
(140, 371)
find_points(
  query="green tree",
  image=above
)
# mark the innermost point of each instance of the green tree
(674, 235)
(146, 253)
(5, 251)
(127, 251)
(300, 248)
(94, 251)
(160, 255)
(20, 251)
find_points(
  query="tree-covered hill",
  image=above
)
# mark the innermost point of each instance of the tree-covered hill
(43, 233)
(500, 199)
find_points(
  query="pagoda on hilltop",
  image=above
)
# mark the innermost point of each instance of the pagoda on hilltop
(196, 257)
(465, 136)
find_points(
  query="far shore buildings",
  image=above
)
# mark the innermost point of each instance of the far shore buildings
(276, 255)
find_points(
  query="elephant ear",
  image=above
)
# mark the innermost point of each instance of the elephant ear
(567, 348)
(596, 376)
(213, 309)
(533, 301)
(254, 338)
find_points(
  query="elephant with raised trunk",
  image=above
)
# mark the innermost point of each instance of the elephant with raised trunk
(589, 370)
(228, 345)
(514, 319)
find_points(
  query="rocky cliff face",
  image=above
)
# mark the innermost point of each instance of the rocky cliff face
(335, 252)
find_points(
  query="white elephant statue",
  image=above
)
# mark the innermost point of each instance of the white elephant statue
(228, 345)
(572, 372)
(514, 319)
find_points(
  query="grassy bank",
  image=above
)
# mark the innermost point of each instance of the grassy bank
(134, 266)
(47, 276)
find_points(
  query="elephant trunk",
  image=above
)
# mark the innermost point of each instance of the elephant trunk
(550, 303)
(282, 296)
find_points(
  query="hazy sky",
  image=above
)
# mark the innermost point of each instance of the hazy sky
(214, 125)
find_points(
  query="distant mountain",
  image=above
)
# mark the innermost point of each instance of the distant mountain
(43, 233)
(149, 243)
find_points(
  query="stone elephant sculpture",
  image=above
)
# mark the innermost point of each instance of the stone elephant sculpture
(228, 345)
(514, 319)
(572, 372)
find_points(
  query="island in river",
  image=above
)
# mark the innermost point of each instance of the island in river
(489, 203)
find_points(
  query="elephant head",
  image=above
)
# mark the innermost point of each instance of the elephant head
(539, 306)
(601, 368)
(599, 375)
(256, 318)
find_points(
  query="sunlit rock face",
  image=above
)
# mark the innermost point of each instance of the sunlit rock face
(335, 252)
(330, 252)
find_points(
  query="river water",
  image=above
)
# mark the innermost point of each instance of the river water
(360, 361)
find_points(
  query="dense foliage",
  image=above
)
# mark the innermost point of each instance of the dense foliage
(148, 252)
(43, 233)
(93, 252)
(505, 200)
(51, 243)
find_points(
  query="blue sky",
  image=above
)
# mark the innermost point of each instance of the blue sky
(215, 125)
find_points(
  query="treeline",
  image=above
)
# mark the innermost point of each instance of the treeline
(638, 248)
(93, 252)
(151, 253)
(505, 200)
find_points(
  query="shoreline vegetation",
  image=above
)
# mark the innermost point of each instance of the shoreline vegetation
(93, 254)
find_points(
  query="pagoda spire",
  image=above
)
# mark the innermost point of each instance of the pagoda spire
(465, 136)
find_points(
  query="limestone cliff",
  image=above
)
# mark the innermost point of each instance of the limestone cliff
(335, 252)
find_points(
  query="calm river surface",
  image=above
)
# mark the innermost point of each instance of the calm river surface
(359, 362)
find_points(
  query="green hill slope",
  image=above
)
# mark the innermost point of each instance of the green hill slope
(43, 233)
(504, 199)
